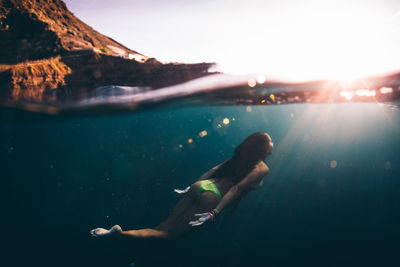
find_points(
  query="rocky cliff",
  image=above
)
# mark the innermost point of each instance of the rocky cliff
(46, 53)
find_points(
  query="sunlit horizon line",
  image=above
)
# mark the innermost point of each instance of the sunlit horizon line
(311, 78)
(269, 78)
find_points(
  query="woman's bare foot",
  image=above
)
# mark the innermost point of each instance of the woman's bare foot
(115, 230)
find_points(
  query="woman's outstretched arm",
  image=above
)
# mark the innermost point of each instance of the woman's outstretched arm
(237, 191)
(244, 186)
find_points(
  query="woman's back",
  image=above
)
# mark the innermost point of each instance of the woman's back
(225, 183)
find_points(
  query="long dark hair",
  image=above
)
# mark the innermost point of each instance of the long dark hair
(252, 150)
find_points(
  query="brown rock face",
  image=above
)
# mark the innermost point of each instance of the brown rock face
(36, 29)
(47, 54)
(38, 80)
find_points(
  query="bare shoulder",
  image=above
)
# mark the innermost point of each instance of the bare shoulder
(255, 176)
(262, 168)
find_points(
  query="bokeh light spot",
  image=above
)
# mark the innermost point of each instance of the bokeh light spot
(261, 79)
(333, 164)
(203, 133)
(252, 83)
(272, 96)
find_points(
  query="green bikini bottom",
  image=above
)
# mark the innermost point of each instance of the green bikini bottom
(208, 185)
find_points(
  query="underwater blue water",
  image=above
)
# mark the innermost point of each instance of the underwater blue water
(331, 199)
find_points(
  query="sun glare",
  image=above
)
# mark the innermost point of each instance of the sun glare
(336, 42)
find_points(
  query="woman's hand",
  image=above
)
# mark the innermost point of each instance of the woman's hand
(203, 217)
(182, 191)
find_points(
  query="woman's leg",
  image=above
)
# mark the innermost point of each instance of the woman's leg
(116, 231)
(145, 234)
(176, 224)
(180, 226)
(187, 201)
(162, 230)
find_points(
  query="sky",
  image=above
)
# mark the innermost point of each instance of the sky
(303, 39)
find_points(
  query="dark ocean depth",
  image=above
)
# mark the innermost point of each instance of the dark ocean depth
(331, 198)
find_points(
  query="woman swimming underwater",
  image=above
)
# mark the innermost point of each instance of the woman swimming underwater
(217, 189)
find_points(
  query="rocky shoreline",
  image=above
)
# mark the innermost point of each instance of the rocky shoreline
(47, 54)
(74, 77)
